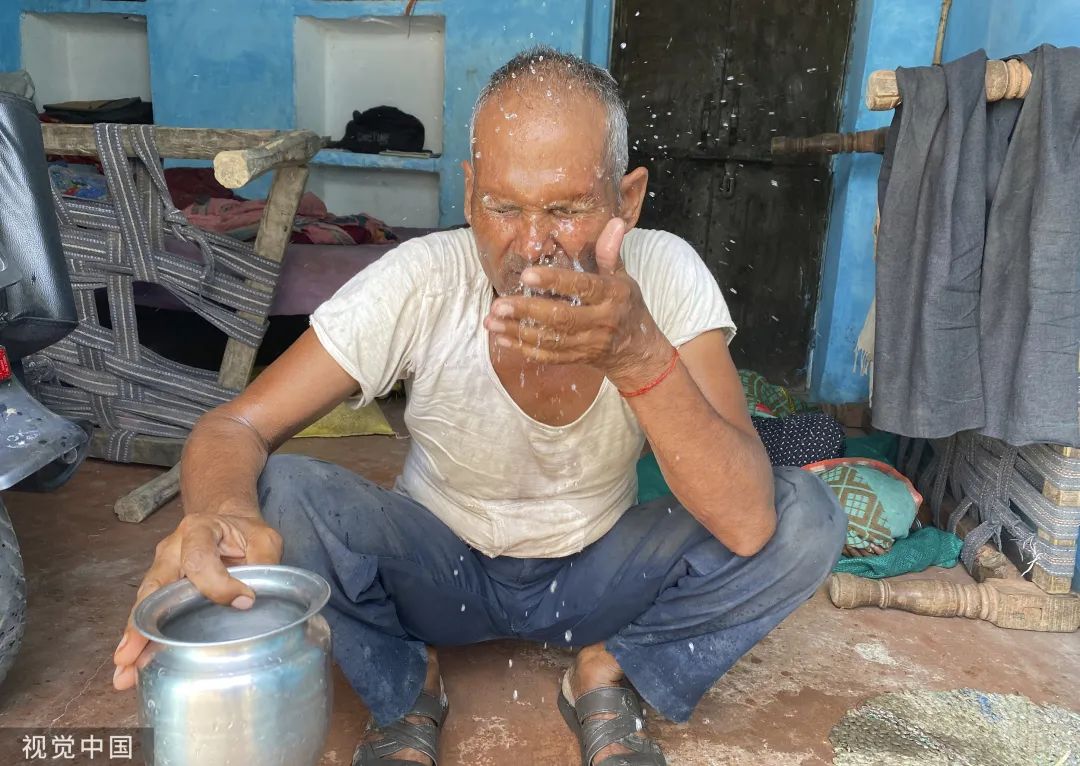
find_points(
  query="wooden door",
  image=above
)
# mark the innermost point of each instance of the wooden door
(709, 84)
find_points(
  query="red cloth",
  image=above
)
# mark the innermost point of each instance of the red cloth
(240, 218)
(190, 185)
(313, 224)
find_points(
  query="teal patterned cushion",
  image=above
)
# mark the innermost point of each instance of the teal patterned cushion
(879, 501)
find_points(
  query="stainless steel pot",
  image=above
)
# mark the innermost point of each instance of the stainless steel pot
(225, 687)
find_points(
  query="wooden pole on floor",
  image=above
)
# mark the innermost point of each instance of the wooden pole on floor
(142, 501)
(1005, 603)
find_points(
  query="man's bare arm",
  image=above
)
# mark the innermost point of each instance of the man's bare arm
(222, 461)
(228, 447)
(707, 447)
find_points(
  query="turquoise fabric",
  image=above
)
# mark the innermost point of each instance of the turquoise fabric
(927, 547)
(651, 483)
(880, 504)
(895, 497)
(876, 446)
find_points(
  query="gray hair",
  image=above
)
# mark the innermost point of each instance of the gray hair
(565, 67)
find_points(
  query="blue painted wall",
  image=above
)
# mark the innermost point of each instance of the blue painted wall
(1007, 27)
(229, 63)
(887, 34)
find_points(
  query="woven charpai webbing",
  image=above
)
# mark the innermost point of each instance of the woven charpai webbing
(104, 374)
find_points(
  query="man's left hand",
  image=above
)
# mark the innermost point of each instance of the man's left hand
(611, 330)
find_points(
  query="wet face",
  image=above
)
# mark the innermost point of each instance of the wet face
(538, 190)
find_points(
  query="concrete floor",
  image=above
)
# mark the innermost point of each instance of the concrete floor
(775, 707)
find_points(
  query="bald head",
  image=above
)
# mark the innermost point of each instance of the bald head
(544, 79)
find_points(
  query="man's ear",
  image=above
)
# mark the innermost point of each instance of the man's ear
(467, 206)
(632, 191)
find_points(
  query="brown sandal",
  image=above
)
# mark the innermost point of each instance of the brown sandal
(403, 734)
(624, 729)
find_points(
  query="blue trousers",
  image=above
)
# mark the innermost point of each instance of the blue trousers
(674, 606)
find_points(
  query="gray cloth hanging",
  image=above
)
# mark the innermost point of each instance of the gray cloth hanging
(927, 379)
(978, 282)
(1030, 310)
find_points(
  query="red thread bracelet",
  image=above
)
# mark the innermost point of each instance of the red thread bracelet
(663, 376)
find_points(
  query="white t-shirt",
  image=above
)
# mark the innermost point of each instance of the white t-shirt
(506, 484)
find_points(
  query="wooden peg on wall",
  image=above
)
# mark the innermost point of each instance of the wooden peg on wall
(1004, 80)
(863, 142)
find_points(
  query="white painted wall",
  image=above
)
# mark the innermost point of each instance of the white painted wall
(397, 197)
(355, 64)
(344, 65)
(86, 56)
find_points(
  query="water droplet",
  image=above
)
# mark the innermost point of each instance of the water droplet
(691, 647)
(774, 182)
(515, 695)
(669, 510)
(622, 46)
(554, 585)
(463, 607)
(733, 291)
(455, 573)
(637, 724)
(569, 635)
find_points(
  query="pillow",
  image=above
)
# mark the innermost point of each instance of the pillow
(879, 501)
(800, 439)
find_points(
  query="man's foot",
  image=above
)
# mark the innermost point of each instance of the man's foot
(430, 712)
(594, 669)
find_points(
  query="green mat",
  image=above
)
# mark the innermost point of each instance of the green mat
(928, 547)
